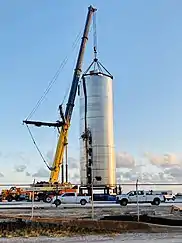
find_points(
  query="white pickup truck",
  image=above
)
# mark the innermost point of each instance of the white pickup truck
(168, 195)
(143, 197)
(70, 198)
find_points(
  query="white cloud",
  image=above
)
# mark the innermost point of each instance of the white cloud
(42, 172)
(75, 177)
(19, 157)
(28, 174)
(50, 157)
(12, 177)
(175, 172)
(124, 160)
(20, 168)
(146, 173)
(73, 163)
(1, 174)
(166, 160)
(155, 168)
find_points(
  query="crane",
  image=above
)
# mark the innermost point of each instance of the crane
(71, 100)
(66, 118)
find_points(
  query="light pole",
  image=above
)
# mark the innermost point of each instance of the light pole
(97, 178)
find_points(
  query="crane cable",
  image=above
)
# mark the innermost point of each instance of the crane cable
(95, 61)
(53, 80)
(50, 168)
(95, 36)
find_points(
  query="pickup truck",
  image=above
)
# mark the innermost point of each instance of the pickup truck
(168, 197)
(143, 197)
(71, 198)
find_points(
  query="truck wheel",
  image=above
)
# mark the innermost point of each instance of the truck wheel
(156, 201)
(83, 202)
(57, 202)
(48, 199)
(36, 198)
(123, 202)
(17, 198)
(9, 198)
(173, 198)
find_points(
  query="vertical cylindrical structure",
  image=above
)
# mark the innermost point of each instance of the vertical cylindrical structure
(100, 122)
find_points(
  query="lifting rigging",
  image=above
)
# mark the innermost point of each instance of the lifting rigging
(64, 124)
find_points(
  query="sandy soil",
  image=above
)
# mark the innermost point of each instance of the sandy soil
(99, 212)
(86, 212)
(128, 238)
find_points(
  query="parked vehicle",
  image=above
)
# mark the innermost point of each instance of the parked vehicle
(15, 194)
(168, 194)
(168, 197)
(178, 195)
(104, 198)
(44, 196)
(71, 198)
(142, 197)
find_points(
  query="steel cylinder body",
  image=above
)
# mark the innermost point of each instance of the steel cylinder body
(100, 122)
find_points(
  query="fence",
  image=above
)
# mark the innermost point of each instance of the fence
(35, 201)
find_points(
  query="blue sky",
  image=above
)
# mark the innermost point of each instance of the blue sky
(139, 42)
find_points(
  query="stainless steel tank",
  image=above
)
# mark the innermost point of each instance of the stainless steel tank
(100, 122)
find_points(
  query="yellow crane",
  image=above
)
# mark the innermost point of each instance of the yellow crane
(66, 118)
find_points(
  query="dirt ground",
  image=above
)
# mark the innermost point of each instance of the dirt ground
(86, 212)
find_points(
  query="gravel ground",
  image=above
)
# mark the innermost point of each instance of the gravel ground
(129, 238)
(86, 212)
(99, 212)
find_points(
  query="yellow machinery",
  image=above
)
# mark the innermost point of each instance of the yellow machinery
(66, 118)
(15, 193)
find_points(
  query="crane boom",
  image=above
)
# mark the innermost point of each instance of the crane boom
(62, 141)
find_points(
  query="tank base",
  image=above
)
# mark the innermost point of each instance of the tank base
(104, 189)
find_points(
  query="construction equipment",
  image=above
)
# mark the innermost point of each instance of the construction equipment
(66, 118)
(44, 190)
(15, 193)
